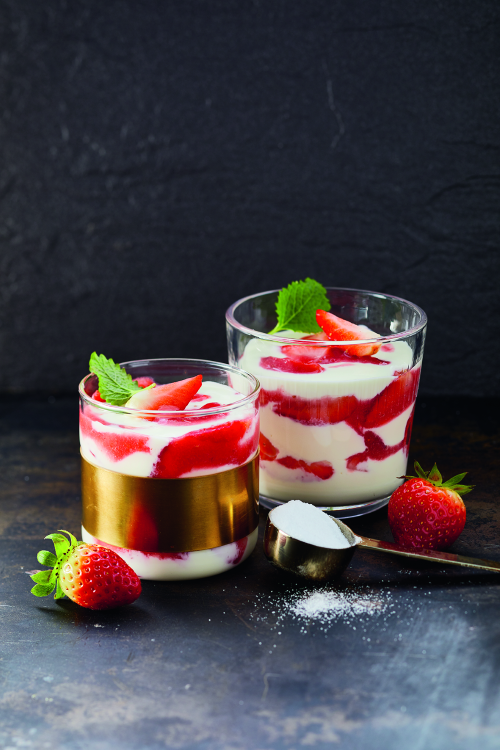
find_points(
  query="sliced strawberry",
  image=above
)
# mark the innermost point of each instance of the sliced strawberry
(144, 381)
(97, 397)
(289, 365)
(268, 452)
(168, 397)
(394, 399)
(321, 469)
(338, 329)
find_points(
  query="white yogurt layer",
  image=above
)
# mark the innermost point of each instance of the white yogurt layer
(199, 564)
(333, 443)
(158, 434)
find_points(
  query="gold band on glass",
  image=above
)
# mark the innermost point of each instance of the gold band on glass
(170, 515)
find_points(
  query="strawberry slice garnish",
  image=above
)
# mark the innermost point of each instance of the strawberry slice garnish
(90, 575)
(338, 329)
(427, 513)
(168, 397)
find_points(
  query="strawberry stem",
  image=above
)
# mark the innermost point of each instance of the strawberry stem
(434, 477)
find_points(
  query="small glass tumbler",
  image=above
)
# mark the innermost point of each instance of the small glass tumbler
(174, 493)
(335, 426)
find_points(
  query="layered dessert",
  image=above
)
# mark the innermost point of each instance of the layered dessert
(188, 429)
(336, 405)
(335, 428)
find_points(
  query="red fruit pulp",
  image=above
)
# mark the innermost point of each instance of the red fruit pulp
(229, 444)
(396, 398)
(320, 469)
(304, 355)
(375, 412)
(115, 446)
(268, 452)
(144, 381)
(289, 365)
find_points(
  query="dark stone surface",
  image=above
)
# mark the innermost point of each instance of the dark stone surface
(202, 665)
(160, 160)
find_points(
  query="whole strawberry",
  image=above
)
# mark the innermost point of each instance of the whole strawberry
(426, 512)
(91, 575)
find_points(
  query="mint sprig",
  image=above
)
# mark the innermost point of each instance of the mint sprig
(297, 304)
(115, 384)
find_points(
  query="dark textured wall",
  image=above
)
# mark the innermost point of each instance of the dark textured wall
(159, 160)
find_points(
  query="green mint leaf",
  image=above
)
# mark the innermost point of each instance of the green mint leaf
(297, 304)
(115, 385)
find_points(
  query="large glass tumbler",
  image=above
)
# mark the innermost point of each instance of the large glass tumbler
(335, 424)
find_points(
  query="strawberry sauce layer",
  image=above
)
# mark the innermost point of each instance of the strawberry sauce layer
(380, 410)
(316, 469)
(230, 444)
(171, 446)
(115, 446)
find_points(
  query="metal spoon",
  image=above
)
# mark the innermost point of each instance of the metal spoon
(322, 564)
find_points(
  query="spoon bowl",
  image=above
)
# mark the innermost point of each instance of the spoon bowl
(304, 559)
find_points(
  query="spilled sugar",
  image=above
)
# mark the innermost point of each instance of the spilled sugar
(328, 606)
(307, 523)
(325, 606)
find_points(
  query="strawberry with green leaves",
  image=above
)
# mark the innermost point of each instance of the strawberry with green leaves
(89, 574)
(426, 512)
(116, 387)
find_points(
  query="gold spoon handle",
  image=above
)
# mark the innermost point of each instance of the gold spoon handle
(432, 555)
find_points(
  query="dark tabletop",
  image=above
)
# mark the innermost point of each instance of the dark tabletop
(225, 662)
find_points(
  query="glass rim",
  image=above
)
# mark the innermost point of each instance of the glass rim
(282, 339)
(177, 412)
